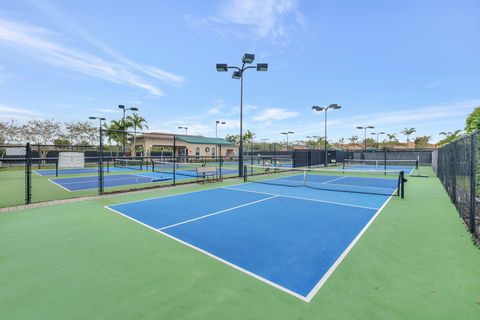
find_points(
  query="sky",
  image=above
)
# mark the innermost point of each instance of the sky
(389, 64)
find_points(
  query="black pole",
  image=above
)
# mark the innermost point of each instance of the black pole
(473, 175)
(28, 174)
(100, 163)
(174, 159)
(219, 148)
(240, 162)
(326, 156)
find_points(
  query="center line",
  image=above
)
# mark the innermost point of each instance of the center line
(218, 212)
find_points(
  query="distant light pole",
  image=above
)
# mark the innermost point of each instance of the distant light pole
(317, 108)
(377, 133)
(287, 133)
(99, 121)
(238, 74)
(183, 127)
(124, 125)
(365, 128)
(216, 126)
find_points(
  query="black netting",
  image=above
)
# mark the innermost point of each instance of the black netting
(456, 166)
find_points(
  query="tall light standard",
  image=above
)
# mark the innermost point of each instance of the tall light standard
(365, 128)
(216, 126)
(99, 121)
(183, 127)
(287, 133)
(123, 124)
(317, 108)
(238, 74)
(377, 133)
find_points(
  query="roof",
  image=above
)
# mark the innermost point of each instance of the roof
(203, 140)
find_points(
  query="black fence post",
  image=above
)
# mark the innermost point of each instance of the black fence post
(28, 174)
(473, 175)
(220, 161)
(174, 159)
(100, 164)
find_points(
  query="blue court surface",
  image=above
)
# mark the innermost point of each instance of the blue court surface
(406, 169)
(65, 171)
(117, 180)
(290, 238)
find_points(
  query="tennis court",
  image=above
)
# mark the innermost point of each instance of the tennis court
(290, 238)
(117, 180)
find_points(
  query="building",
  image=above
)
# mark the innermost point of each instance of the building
(162, 144)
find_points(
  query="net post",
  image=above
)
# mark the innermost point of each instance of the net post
(385, 160)
(174, 159)
(401, 188)
(245, 174)
(56, 167)
(28, 174)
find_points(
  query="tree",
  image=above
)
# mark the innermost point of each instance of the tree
(82, 132)
(316, 143)
(422, 142)
(41, 131)
(473, 121)
(138, 122)
(235, 138)
(391, 137)
(370, 142)
(408, 132)
(449, 137)
(353, 139)
(62, 141)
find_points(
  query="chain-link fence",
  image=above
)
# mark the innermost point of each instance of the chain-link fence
(457, 167)
(40, 173)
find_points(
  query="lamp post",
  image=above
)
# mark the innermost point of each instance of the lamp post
(183, 127)
(365, 128)
(216, 126)
(123, 123)
(317, 108)
(377, 133)
(238, 74)
(287, 133)
(99, 121)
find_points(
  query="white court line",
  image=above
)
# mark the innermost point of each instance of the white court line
(334, 266)
(326, 182)
(61, 186)
(218, 212)
(273, 284)
(301, 198)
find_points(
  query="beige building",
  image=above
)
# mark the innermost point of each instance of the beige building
(157, 144)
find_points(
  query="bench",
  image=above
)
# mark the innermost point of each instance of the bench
(205, 172)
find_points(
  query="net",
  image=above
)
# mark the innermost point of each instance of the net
(185, 169)
(381, 164)
(132, 164)
(368, 182)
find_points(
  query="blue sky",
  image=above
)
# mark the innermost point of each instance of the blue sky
(389, 64)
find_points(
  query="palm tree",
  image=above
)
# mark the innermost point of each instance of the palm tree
(408, 132)
(449, 137)
(138, 122)
(353, 139)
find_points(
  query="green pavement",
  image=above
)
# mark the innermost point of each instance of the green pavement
(81, 261)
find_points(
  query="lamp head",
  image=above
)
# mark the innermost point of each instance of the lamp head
(134, 109)
(103, 119)
(121, 106)
(262, 66)
(334, 106)
(248, 58)
(222, 67)
(92, 118)
(236, 75)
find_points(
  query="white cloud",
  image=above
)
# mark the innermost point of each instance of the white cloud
(265, 17)
(214, 110)
(275, 114)
(109, 110)
(435, 84)
(36, 43)
(5, 108)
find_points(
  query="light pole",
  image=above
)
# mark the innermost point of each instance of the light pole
(287, 133)
(99, 121)
(238, 74)
(216, 126)
(183, 127)
(317, 108)
(377, 133)
(123, 124)
(365, 128)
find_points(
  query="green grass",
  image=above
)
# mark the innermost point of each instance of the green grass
(80, 261)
